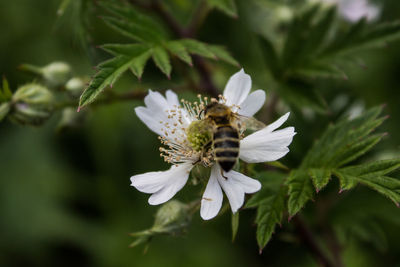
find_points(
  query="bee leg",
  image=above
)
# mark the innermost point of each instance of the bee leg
(222, 174)
(197, 161)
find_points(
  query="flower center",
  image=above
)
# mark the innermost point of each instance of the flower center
(199, 134)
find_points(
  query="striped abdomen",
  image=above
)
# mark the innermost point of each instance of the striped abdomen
(226, 146)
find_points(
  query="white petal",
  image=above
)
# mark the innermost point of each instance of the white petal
(235, 186)
(237, 88)
(151, 119)
(278, 123)
(162, 184)
(263, 145)
(156, 111)
(252, 103)
(172, 98)
(212, 198)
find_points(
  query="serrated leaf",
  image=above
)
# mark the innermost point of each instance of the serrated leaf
(387, 186)
(373, 169)
(139, 52)
(356, 150)
(198, 48)
(139, 63)
(221, 53)
(226, 6)
(109, 71)
(125, 49)
(129, 13)
(179, 50)
(300, 94)
(134, 31)
(162, 61)
(320, 177)
(300, 190)
(235, 225)
(347, 182)
(333, 147)
(270, 203)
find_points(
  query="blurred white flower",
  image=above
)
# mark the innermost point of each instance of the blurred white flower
(354, 10)
(170, 120)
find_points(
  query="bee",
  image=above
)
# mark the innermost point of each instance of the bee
(227, 126)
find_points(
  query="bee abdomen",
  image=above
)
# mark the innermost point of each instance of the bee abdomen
(226, 146)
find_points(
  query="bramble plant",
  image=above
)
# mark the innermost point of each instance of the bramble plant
(169, 61)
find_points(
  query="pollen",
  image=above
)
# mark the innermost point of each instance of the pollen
(185, 134)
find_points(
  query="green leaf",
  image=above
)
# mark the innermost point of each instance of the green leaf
(108, 73)
(373, 169)
(162, 61)
(373, 175)
(198, 48)
(332, 150)
(134, 31)
(226, 6)
(270, 204)
(300, 190)
(129, 13)
(221, 53)
(139, 52)
(320, 177)
(271, 56)
(179, 50)
(347, 182)
(235, 225)
(301, 94)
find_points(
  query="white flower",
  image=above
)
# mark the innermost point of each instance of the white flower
(354, 10)
(170, 120)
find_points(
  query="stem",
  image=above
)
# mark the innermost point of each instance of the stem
(310, 241)
(111, 98)
(270, 110)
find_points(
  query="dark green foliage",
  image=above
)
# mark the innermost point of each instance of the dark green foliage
(339, 145)
(152, 41)
(317, 47)
(270, 204)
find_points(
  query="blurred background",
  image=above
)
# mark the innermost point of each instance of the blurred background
(65, 195)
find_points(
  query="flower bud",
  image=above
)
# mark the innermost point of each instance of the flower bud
(75, 86)
(4, 109)
(31, 104)
(56, 73)
(172, 218)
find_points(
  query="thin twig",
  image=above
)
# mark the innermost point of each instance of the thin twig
(309, 240)
(111, 98)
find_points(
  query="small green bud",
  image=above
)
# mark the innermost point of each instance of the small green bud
(31, 104)
(199, 134)
(56, 73)
(172, 218)
(75, 86)
(4, 109)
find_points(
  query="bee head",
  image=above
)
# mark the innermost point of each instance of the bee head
(217, 110)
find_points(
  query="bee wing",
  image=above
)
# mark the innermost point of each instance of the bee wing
(249, 123)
